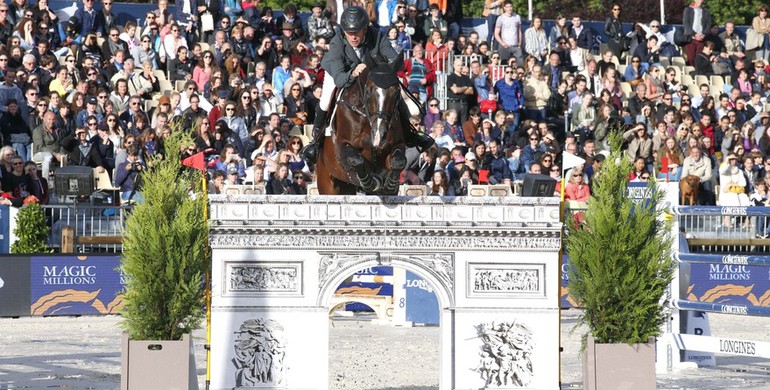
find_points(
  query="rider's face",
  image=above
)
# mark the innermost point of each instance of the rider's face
(355, 38)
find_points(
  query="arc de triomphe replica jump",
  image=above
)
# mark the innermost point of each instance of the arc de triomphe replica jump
(492, 262)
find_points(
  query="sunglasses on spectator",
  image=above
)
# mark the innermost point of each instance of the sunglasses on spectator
(554, 169)
(645, 177)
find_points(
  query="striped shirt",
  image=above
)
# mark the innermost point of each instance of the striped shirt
(509, 28)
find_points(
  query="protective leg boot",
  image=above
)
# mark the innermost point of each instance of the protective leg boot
(413, 138)
(310, 152)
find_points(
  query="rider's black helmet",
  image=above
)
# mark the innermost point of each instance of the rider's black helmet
(354, 19)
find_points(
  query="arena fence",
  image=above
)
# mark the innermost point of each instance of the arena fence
(96, 229)
(727, 274)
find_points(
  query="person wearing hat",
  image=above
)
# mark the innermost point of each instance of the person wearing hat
(91, 110)
(732, 186)
(318, 25)
(291, 18)
(343, 64)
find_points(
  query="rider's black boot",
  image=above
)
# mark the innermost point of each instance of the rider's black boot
(310, 152)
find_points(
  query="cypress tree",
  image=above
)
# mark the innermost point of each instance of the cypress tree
(621, 257)
(164, 257)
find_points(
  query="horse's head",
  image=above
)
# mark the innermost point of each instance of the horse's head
(381, 99)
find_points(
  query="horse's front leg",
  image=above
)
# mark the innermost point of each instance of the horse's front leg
(395, 163)
(369, 182)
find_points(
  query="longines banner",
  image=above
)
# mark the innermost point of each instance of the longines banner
(60, 285)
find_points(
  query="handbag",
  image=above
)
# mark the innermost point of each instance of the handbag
(753, 40)
(207, 22)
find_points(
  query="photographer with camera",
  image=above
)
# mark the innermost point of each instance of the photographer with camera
(127, 176)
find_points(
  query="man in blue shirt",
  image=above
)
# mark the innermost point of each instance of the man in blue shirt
(510, 94)
(87, 16)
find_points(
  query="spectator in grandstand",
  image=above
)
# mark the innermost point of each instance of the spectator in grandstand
(419, 74)
(536, 95)
(559, 32)
(15, 131)
(536, 40)
(280, 183)
(761, 26)
(674, 157)
(46, 143)
(492, 9)
(696, 21)
(635, 71)
(438, 129)
(649, 52)
(576, 189)
(613, 29)
(695, 164)
(577, 56)
(582, 34)
(508, 33)
(120, 97)
(640, 145)
(732, 184)
(434, 22)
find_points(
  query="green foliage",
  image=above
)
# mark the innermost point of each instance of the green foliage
(31, 231)
(165, 246)
(740, 12)
(621, 260)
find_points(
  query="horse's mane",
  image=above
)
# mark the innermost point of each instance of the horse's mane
(382, 73)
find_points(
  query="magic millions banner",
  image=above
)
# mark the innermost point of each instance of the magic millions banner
(60, 285)
(733, 285)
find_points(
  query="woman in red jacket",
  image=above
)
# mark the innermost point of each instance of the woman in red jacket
(577, 189)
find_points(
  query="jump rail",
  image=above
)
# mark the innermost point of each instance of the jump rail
(701, 224)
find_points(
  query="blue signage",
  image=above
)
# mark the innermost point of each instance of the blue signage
(75, 285)
(421, 301)
(5, 231)
(368, 281)
(732, 285)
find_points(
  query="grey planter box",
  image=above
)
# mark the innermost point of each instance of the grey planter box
(157, 364)
(619, 366)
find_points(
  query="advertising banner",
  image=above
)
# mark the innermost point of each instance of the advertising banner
(368, 281)
(729, 285)
(421, 301)
(566, 301)
(75, 285)
(5, 231)
(14, 286)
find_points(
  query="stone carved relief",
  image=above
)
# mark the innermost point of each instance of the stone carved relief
(331, 263)
(506, 280)
(251, 278)
(505, 354)
(260, 349)
(297, 239)
(441, 263)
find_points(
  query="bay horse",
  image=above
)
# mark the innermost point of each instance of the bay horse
(366, 148)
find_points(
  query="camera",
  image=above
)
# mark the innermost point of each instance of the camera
(136, 166)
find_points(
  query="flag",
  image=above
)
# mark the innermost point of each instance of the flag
(483, 176)
(195, 161)
(664, 165)
(570, 161)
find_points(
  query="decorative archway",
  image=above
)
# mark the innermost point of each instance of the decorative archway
(493, 263)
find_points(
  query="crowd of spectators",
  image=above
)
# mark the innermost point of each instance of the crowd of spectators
(245, 82)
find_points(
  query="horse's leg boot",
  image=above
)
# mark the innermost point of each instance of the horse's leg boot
(310, 152)
(413, 138)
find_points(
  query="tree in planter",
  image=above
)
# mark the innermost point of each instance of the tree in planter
(164, 256)
(31, 231)
(621, 258)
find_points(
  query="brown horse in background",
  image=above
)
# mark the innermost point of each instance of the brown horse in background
(366, 149)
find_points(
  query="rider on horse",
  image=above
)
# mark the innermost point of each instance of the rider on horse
(344, 62)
